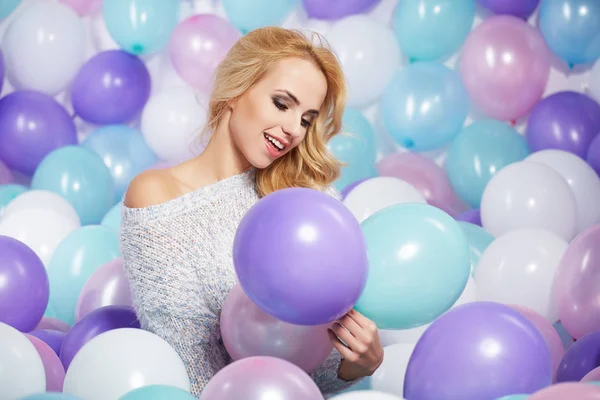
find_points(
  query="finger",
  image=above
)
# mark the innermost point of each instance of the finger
(356, 330)
(344, 351)
(363, 321)
(352, 342)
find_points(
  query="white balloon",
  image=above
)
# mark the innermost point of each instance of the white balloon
(389, 377)
(21, 369)
(369, 54)
(519, 267)
(528, 195)
(44, 47)
(583, 180)
(366, 395)
(171, 123)
(378, 193)
(594, 82)
(120, 360)
(43, 199)
(40, 229)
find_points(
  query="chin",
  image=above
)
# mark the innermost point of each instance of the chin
(260, 162)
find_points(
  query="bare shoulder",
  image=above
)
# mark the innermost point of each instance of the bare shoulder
(150, 188)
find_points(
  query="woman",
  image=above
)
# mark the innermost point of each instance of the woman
(277, 99)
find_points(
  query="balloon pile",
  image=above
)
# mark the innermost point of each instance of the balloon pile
(468, 231)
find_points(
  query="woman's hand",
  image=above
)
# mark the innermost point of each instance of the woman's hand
(363, 352)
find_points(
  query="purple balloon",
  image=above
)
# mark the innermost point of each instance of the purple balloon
(582, 357)
(32, 124)
(51, 337)
(300, 255)
(471, 216)
(24, 288)
(593, 154)
(98, 321)
(348, 188)
(336, 9)
(479, 350)
(111, 88)
(566, 121)
(518, 8)
(5, 175)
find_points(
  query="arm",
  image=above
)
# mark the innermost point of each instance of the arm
(327, 377)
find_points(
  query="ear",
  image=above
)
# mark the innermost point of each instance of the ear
(231, 104)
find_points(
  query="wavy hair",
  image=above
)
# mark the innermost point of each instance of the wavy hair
(310, 164)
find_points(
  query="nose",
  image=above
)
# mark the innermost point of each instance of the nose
(292, 127)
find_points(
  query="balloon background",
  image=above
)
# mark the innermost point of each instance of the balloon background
(472, 183)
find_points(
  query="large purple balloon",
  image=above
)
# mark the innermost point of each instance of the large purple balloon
(98, 321)
(32, 124)
(582, 357)
(479, 350)
(593, 154)
(566, 121)
(300, 255)
(518, 8)
(24, 286)
(336, 9)
(111, 88)
(51, 337)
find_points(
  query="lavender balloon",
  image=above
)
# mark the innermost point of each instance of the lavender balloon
(1, 70)
(32, 124)
(471, 216)
(99, 321)
(51, 337)
(566, 121)
(260, 378)
(348, 188)
(480, 350)
(111, 88)
(593, 154)
(300, 255)
(581, 358)
(337, 9)
(518, 8)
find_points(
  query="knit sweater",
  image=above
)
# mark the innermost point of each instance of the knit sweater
(178, 259)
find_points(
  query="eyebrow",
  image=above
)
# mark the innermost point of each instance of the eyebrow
(295, 100)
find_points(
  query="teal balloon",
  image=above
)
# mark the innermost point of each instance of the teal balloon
(356, 147)
(247, 15)
(424, 106)
(514, 397)
(595, 383)
(478, 153)
(50, 313)
(50, 396)
(80, 176)
(112, 219)
(8, 6)
(74, 261)
(141, 26)
(479, 239)
(8, 192)
(157, 392)
(419, 264)
(431, 29)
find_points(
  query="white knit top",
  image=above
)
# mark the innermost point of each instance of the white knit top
(178, 258)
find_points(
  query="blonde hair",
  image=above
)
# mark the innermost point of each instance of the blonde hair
(309, 164)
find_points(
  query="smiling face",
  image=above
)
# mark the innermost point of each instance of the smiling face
(274, 115)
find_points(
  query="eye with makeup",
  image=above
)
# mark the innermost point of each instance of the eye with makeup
(284, 107)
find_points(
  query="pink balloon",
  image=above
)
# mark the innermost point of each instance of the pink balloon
(54, 324)
(198, 45)
(426, 176)
(505, 65)
(108, 286)
(84, 7)
(55, 372)
(248, 331)
(592, 376)
(568, 391)
(547, 330)
(577, 284)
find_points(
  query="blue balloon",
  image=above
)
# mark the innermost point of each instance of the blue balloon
(157, 392)
(430, 29)
(424, 106)
(74, 261)
(479, 239)
(50, 396)
(124, 152)
(141, 26)
(247, 15)
(419, 265)
(572, 29)
(8, 192)
(478, 153)
(514, 397)
(8, 6)
(112, 219)
(80, 176)
(355, 146)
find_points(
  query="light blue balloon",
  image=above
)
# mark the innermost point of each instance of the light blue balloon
(124, 151)
(478, 153)
(50, 313)
(355, 146)
(7, 7)
(112, 219)
(157, 392)
(141, 26)
(572, 29)
(424, 106)
(430, 29)
(74, 261)
(247, 15)
(479, 239)
(80, 176)
(50, 396)
(8, 192)
(595, 383)
(514, 397)
(565, 337)
(419, 265)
